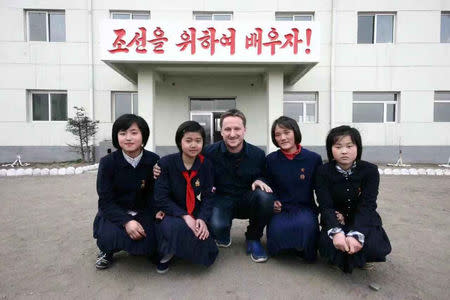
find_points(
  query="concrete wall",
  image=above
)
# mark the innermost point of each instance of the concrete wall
(415, 65)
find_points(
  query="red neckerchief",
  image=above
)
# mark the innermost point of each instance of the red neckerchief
(190, 196)
(291, 156)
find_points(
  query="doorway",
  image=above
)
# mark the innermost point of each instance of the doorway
(207, 112)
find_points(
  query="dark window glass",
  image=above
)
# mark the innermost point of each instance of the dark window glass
(368, 112)
(442, 111)
(294, 111)
(365, 29)
(37, 22)
(122, 103)
(40, 107)
(445, 28)
(59, 107)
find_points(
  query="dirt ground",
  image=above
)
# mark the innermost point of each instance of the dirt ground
(47, 251)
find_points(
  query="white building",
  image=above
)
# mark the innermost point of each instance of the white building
(381, 66)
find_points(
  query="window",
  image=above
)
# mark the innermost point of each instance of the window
(301, 107)
(213, 16)
(211, 104)
(445, 27)
(294, 16)
(375, 28)
(46, 26)
(124, 103)
(441, 106)
(49, 106)
(374, 107)
(130, 15)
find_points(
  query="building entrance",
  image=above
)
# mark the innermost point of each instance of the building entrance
(207, 111)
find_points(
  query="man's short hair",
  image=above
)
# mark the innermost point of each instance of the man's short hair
(233, 113)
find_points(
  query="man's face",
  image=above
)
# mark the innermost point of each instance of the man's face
(233, 132)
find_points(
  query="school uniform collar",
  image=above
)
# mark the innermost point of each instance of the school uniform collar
(223, 148)
(346, 172)
(145, 158)
(298, 156)
(180, 165)
(133, 161)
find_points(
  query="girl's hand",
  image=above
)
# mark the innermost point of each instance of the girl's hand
(202, 229)
(277, 206)
(160, 215)
(135, 230)
(340, 218)
(340, 242)
(190, 222)
(353, 244)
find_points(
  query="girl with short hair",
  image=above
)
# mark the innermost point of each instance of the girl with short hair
(347, 188)
(184, 193)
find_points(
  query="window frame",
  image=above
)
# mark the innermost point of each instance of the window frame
(440, 101)
(113, 102)
(130, 13)
(385, 104)
(49, 93)
(212, 14)
(292, 15)
(374, 37)
(47, 24)
(304, 103)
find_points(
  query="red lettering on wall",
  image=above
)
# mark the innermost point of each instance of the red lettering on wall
(119, 42)
(188, 40)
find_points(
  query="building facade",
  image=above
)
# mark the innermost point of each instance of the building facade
(384, 67)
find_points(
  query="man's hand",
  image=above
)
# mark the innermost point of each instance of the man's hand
(340, 242)
(156, 171)
(277, 206)
(353, 244)
(202, 229)
(259, 184)
(135, 230)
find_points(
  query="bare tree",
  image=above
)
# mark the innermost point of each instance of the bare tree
(84, 130)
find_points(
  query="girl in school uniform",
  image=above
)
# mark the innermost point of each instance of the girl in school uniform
(125, 189)
(184, 193)
(291, 171)
(347, 187)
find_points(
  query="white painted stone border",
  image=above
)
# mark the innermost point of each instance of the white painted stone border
(414, 172)
(47, 172)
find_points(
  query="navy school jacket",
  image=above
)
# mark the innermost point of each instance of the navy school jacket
(170, 187)
(121, 187)
(293, 180)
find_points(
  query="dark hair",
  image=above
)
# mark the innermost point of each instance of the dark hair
(337, 133)
(288, 123)
(233, 113)
(124, 122)
(189, 126)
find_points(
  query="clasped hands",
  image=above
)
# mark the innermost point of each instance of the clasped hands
(198, 227)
